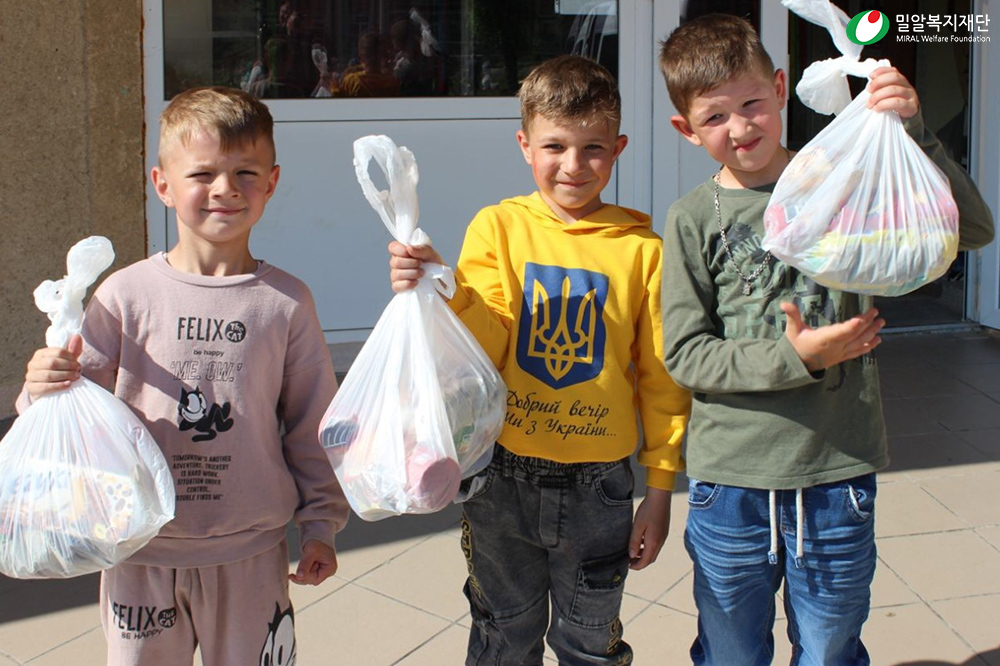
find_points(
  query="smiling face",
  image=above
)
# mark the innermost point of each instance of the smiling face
(739, 125)
(571, 163)
(218, 195)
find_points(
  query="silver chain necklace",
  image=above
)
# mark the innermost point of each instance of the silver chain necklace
(747, 280)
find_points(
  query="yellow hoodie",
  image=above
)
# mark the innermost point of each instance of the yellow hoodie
(570, 314)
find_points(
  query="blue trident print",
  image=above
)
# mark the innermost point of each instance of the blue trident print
(561, 335)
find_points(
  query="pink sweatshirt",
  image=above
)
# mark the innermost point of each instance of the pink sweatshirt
(231, 375)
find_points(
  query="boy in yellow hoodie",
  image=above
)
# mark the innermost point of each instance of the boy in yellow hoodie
(563, 293)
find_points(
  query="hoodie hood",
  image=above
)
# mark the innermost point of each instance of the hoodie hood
(610, 217)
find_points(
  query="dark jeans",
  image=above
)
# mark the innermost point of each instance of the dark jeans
(534, 531)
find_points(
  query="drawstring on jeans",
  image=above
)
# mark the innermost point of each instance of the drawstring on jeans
(772, 554)
(799, 529)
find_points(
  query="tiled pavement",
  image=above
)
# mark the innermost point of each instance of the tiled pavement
(397, 599)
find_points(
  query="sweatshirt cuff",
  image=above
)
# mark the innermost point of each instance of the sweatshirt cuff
(317, 530)
(800, 374)
(660, 478)
(915, 127)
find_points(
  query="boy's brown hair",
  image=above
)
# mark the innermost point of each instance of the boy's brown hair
(706, 52)
(570, 88)
(232, 115)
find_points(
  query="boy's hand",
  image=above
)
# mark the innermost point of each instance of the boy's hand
(826, 346)
(319, 562)
(405, 262)
(892, 92)
(53, 369)
(649, 528)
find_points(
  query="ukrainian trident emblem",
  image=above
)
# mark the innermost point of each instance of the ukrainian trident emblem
(562, 332)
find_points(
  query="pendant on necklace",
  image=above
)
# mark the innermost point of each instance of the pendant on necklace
(747, 288)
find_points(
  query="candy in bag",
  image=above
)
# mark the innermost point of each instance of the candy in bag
(860, 208)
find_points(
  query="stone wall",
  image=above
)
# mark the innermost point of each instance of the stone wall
(71, 152)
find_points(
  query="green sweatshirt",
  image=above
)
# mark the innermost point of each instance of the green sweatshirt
(759, 419)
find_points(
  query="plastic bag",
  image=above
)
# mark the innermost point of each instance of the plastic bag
(860, 208)
(422, 405)
(82, 483)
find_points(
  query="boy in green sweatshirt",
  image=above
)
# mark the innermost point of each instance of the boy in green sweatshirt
(786, 429)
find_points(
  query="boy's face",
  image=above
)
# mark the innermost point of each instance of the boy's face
(739, 124)
(571, 163)
(218, 196)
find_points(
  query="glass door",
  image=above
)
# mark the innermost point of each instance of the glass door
(438, 76)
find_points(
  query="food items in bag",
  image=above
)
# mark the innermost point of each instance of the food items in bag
(83, 485)
(422, 405)
(860, 208)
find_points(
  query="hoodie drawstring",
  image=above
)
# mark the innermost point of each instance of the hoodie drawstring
(772, 554)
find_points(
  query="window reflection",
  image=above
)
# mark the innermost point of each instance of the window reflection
(378, 48)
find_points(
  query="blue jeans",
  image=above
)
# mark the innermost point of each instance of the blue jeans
(536, 531)
(827, 591)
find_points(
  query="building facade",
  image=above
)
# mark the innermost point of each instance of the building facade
(83, 87)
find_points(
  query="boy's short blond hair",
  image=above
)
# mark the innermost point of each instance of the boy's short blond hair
(233, 116)
(570, 88)
(706, 52)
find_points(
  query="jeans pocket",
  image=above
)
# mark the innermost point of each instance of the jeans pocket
(599, 588)
(860, 493)
(616, 486)
(702, 495)
(475, 486)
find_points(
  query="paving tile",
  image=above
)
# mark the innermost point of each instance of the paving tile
(632, 607)
(987, 441)
(904, 417)
(357, 626)
(782, 644)
(974, 350)
(967, 412)
(991, 534)
(913, 635)
(888, 589)
(974, 499)
(909, 382)
(661, 636)
(429, 576)
(4, 661)
(903, 507)
(974, 618)
(681, 596)
(934, 454)
(87, 650)
(448, 647)
(359, 561)
(945, 565)
(982, 377)
(27, 638)
(304, 596)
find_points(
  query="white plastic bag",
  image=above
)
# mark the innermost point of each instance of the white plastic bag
(860, 208)
(422, 404)
(82, 483)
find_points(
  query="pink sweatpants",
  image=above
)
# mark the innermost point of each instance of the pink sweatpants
(238, 613)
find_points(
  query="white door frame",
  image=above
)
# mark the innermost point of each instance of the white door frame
(983, 273)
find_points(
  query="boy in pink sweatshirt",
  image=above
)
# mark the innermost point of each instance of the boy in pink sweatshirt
(223, 358)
